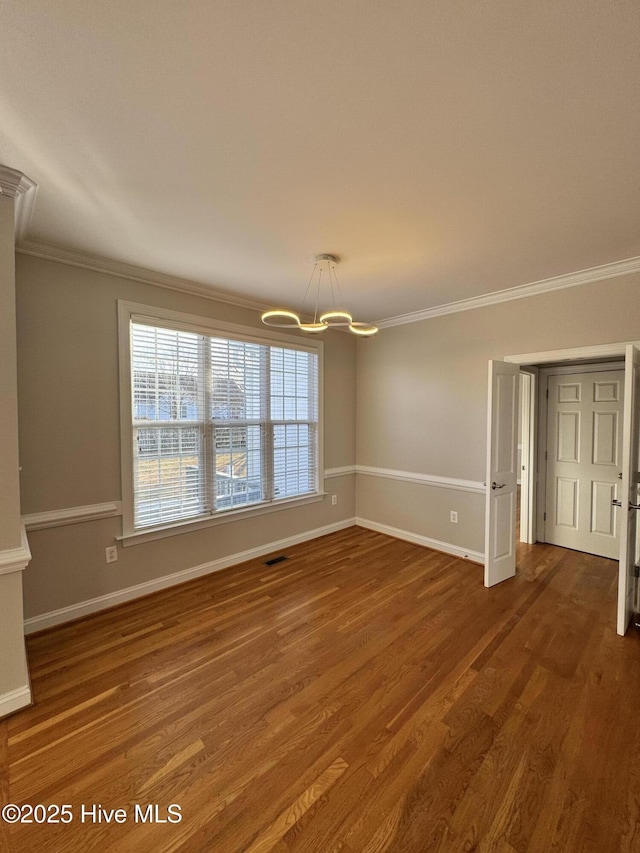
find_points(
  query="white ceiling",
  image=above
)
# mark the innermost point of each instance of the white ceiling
(444, 149)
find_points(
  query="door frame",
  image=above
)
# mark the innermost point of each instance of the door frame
(627, 583)
(545, 373)
(528, 460)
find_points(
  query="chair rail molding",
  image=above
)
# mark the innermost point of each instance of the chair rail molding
(71, 515)
(342, 471)
(454, 483)
(22, 189)
(16, 559)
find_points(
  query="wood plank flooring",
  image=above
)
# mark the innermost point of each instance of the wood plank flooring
(366, 694)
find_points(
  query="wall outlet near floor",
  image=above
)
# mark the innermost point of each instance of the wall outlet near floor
(111, 554)
(334, 500)
(453, 516)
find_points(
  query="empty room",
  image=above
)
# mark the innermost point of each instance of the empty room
(319, 427)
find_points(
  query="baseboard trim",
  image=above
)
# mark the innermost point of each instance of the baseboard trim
(418, 539)
(102, 602)
(15, 700)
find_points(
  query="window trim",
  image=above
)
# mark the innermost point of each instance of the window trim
(138, 312)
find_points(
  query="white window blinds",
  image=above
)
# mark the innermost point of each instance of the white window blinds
(218, 424)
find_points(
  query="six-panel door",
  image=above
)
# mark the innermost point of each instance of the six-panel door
(584, 458)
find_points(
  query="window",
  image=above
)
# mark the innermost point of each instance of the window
(220, 420)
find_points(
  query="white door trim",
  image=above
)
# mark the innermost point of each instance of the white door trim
(629, 492)
(573, 354)
(528, 488)
(581, 367)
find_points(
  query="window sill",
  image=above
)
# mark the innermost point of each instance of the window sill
(199, 523)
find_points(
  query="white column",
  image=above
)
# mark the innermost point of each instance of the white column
(15, 691)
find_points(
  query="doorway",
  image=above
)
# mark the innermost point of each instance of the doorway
(503, 402)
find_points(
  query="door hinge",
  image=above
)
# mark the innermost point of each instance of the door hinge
(547, 393)
(544, 516)
(636, 571)
(546, 455)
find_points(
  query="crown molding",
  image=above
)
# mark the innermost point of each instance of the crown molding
(535, 288)
(18, 186)
(87, 261)
(120, 269)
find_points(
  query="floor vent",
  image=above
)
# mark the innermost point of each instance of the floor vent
(275, 560)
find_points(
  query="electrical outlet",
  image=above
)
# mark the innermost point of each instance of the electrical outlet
(334, 500)
(453, 516)
(111, 554)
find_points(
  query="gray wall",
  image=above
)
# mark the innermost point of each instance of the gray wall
(422, 392)
(70, 436)
(421, 407)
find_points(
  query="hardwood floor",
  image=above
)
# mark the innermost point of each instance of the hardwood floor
(364, 695)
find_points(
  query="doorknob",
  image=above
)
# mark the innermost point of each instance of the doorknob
(494, 485)
(631, 506)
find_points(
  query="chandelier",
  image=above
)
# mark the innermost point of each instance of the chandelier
(324, 273)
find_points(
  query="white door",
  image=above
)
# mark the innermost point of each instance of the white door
(628, 513)
(584, 461)
(502, 456)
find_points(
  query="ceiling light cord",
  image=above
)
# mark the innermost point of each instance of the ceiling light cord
(304, 298)
(338, 288)
(315, 316)
(333, 295)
